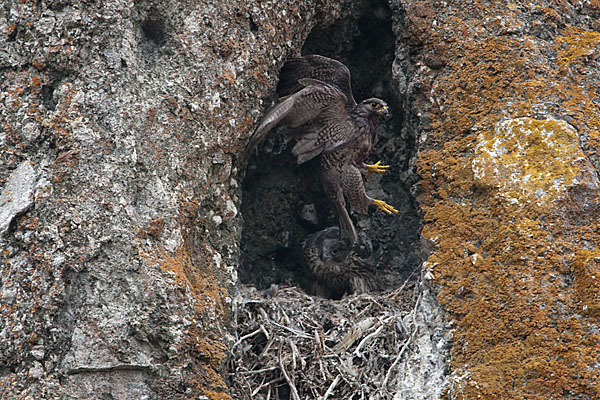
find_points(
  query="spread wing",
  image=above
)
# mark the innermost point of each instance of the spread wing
(316, 116)
(318, 67)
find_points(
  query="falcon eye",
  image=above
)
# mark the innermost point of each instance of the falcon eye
(375, 105)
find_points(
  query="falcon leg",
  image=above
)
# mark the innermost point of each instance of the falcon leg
(376, 168)
(354, 189)
(385, 207)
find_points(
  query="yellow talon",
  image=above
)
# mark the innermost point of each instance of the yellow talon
(376, 168)
(385, 207)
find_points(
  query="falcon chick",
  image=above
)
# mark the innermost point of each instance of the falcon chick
(338, 267)
(318, 109)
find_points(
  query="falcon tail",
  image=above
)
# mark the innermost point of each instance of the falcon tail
(347, 230)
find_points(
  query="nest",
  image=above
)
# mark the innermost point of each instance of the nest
(290, 345)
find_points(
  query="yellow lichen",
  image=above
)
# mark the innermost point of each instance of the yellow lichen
(575, 43)
(529, 161)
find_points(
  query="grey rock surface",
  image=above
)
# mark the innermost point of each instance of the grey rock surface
(117, 279)
(17, 194)
(424, 371)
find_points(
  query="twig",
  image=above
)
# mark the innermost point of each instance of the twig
(298, 353)
(268, 346)
(398, 357)
(286, 319)
(255, 371)
(318, 340)
(246, 337)
(294, 353)
(322, 369)
(331, 388)
(368, 339)
(262, 328)
(410, 339)
(294, 331)
(264, 385)
(286, 376)
(396, 293)
(354, 334)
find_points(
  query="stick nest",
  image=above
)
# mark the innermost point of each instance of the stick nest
(290, 345)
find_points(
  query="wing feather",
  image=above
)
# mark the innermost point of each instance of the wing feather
(318, 67)
(317, 116)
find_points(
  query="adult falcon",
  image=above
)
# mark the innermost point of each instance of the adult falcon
(317, 107)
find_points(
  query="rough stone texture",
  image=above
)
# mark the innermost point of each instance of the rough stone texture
(128, 116)
(125, 121)
(531, 162)
(17, 195)
(504, 97)
(424, 372)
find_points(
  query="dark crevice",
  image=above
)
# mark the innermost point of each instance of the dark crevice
(47, 97)
(56, 78)
(153, 36)
(12, 32)
(253, 26)
(277, 192)
(154, 31)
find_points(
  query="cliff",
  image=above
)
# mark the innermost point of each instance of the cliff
(126, 213)
(121, 122)
(508, 186)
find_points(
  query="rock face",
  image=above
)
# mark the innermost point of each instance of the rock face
(17, 195)
(122, 124)
(504, 98)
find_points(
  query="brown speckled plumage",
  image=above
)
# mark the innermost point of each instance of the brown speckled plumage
(319, 111)
(338, 267)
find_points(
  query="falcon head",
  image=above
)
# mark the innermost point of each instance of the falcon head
(338, 266)
(328, 246)
(375, 107)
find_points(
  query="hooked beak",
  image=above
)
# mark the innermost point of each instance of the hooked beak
(385, 112)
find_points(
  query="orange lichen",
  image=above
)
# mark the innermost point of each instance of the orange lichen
(575, 43)
(586, 270)
(216, 395)
(518, 278)
(153, 229)
(211, 350)
(200, 279)
(208, 293)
